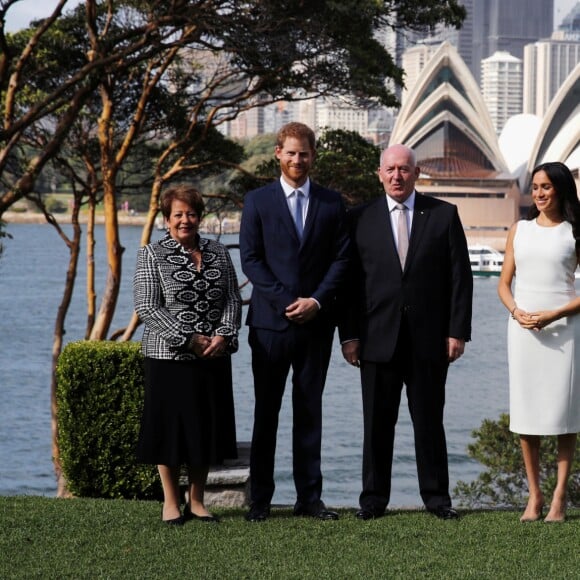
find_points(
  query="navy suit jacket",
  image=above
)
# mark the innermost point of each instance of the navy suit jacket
(280, 266)
(434, 291)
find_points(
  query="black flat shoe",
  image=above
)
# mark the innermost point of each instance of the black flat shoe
(189, 515)
(179, 521)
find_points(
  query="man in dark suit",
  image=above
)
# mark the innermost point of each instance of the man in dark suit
(410, 318)
(294, 250)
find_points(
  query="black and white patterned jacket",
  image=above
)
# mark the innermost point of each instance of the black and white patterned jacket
(175, 301)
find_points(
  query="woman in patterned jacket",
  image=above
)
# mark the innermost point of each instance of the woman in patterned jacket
(186, 294)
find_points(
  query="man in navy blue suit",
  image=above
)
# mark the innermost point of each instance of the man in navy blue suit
(294, 247)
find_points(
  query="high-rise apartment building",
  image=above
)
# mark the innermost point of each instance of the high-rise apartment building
(547, 64)
(338, 114)
(501, 87)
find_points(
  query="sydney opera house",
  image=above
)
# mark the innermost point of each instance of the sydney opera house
(464, 161)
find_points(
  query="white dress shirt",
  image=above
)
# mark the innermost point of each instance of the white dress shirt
(291, 197)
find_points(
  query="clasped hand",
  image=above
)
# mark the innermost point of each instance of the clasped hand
(533, 320)
(302, 310)
(208, 346)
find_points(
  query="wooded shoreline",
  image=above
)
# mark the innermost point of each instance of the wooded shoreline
(495, 238)
(211, 224)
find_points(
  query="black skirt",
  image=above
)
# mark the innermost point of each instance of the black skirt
(188, 414)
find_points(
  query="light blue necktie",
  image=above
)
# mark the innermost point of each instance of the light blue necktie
(298, 213)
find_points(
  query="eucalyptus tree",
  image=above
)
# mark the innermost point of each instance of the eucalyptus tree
(237, 51)
(168, 73)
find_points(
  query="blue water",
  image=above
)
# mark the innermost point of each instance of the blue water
(32, 275)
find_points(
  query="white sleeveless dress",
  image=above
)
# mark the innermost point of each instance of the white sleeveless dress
(544, 380)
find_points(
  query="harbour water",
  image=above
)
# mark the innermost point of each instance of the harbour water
(32, 275)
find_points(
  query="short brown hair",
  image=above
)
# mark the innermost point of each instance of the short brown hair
(185, 193)
(297, 130)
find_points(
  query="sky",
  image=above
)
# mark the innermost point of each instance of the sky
(23, 11)
(561, 9)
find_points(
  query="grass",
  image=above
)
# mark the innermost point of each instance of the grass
(84, 538)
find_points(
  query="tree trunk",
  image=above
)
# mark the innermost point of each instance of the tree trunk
(91, 292)
(74, 249)
(145, 239)
(109, 167)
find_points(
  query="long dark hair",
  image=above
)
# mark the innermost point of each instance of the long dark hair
(567, 194)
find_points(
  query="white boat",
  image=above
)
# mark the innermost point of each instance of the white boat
(485, 261)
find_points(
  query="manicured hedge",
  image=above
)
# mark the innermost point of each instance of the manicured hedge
(100, 397)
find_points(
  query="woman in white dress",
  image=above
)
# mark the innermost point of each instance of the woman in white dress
(541, 256)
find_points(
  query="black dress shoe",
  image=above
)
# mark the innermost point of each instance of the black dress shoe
(258, 513)
(366, 514)
(315, 510)
(189, 515)
(444, 513)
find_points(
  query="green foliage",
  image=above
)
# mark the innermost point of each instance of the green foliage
(55, 205)
(99, 398)
(504, 482)
(261, 145)
(425, 14)
(345, 162)
(348, 163)
(204, 163)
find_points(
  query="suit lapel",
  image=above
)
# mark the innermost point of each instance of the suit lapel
(382, 215)
(313, 207)
(377, 227)
(281, 208)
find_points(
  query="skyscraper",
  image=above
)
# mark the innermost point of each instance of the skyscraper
(516, 23)
(494, 25)
(501, 87)
(547, 64)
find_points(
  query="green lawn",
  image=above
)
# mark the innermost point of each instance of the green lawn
(82, 538)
